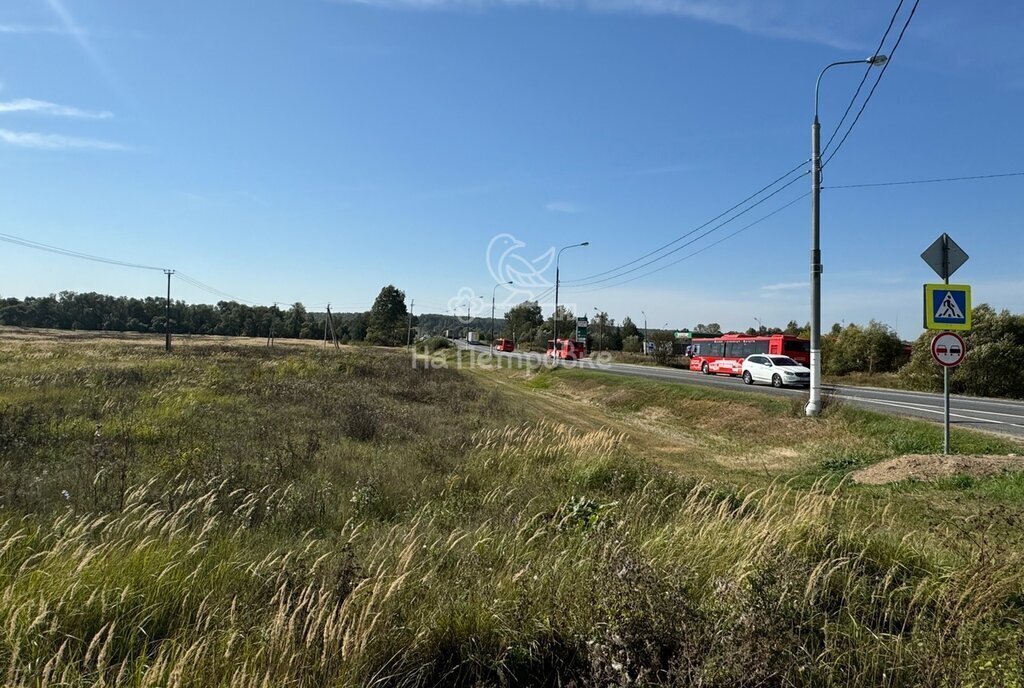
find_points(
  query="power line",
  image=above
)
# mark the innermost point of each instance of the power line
(927, 181)
(699, 251)
(864, 78)
(892, 52)
(28, 243)
(692, 231)
(585, 283)
(211, 290)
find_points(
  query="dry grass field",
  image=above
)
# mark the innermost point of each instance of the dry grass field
(231, 514)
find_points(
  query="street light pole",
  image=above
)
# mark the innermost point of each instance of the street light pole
(600, 321)
(554, 318)
(813, 407)
(645, 332)
(492, 310)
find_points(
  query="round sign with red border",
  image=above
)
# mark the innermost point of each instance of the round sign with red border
(948, 349)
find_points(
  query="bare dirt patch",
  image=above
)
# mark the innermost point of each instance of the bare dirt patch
(932, 466)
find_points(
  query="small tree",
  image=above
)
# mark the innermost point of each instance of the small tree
(388, 318)
(629, 329)
(664, 347)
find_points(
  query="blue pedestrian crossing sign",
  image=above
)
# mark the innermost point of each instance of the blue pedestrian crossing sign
(947, 307)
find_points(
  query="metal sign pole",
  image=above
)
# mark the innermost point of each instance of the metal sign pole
(945, 387)
(945, 369)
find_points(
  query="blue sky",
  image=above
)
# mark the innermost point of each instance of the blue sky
(317, 150)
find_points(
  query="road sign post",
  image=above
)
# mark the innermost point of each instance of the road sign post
(581, 329)
(946, 307)
(948, 350)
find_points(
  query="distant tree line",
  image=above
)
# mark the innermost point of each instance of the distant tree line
(386, 323)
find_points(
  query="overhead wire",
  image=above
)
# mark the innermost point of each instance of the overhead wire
(38, 245)
(867, 71)
(692, 231)
(867, 100)
(578, 290)
(926, 181)
(584, 283)
(211, 290)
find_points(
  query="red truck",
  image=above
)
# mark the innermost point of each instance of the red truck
(506, 345)
(567, 348)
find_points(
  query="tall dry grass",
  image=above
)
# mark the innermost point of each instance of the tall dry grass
(639, 579)
(419, 541)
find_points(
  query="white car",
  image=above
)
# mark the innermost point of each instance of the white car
(778, 370)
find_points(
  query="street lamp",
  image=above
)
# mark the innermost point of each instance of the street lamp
(600, 321)
(492, 310)
(554, 318)
(645, 332)
(759, 325)
(813, 407)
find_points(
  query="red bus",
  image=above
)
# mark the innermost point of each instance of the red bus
(725, 354)
(568, 349)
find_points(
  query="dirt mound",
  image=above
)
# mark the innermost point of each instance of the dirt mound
(932, 466)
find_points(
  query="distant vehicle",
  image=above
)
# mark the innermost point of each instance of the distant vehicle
(778, 370)
(506, 345)
(451, 334)
(568, 349)
(472, 337)
(725, 354)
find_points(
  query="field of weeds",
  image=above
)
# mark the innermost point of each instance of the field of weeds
(231, 515)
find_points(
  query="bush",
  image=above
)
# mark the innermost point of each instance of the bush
(434, 343)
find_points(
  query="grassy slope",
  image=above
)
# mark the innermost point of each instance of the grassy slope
(233, 515)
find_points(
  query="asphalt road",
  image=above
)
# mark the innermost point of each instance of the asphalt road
(994, 415)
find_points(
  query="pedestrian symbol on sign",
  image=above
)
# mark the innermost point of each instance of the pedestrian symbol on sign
(949, 308)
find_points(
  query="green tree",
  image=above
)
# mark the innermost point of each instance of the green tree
(600, 330)
(875, 348)
(294, 320)
(664, 346)
(388, 318)
(993, 365)
(566, 323)
(629, 329)
(522, 321)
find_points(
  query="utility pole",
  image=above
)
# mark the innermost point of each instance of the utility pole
(408, 338)
(493, 292)
(167, 313)
(645, 332)
(330, 323)
(326, 324)
(600, 322)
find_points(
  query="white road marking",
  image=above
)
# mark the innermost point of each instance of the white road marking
(927, 409)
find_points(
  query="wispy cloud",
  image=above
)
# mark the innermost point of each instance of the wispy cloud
(47, 108)
(808, 21)
(73, 29)
(562, 207)
(53, 142)
(25, 29)
(784, 286)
